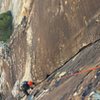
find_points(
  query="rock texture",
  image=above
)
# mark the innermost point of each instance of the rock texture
(64, 86)
(47, 34)
(52, 37)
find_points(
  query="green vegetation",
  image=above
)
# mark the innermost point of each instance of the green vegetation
(5, 26)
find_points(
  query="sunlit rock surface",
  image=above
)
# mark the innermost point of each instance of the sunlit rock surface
(48, 33)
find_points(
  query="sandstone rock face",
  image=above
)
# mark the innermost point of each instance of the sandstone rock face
(47, 33)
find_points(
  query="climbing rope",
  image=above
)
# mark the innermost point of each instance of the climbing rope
(83, 71)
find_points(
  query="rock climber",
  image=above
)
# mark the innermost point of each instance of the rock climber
(26, 85)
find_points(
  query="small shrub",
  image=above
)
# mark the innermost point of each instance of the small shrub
(5, 26)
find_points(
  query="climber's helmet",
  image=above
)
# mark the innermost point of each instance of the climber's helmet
(30, 83)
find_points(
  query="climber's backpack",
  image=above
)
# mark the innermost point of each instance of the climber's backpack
(23, 85)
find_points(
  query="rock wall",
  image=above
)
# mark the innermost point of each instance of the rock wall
(56, 31)
(47, 34)
(60, 29)
(18, 8)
